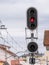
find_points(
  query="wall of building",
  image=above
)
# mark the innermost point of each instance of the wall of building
(2, 56)
(43, 60)
(1, 63)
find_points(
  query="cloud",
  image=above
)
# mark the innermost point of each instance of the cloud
(13, 13)
(16, 14)
(7, 1)
(13, 10)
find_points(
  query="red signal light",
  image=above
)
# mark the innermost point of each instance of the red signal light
(31, 20)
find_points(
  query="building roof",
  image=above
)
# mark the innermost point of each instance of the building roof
(15, 62)
(2, 61)
(3, 47)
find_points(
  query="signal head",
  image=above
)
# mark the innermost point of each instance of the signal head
(32, 46)
(32, 18)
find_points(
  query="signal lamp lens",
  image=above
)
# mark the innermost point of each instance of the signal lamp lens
(31, 20)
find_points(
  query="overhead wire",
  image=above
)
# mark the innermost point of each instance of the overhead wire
(12, 40)
(17, 53)
(6, 42)
(15, 41)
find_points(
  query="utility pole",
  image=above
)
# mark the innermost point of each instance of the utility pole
(32, 26)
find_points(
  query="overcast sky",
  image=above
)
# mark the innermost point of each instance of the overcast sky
(13, 15)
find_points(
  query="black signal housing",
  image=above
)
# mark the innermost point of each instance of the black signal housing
(32, 18)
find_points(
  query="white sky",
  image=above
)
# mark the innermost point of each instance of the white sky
(13, 15)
